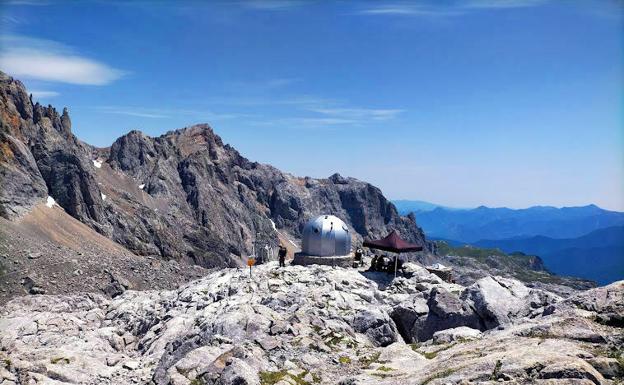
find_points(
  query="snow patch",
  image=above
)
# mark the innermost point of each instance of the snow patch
(50, 202)
(141, 186)
(103, 196)
(97, 163)
(273, 224)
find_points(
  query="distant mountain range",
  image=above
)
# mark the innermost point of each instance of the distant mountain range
(598, 255)
(408, 206)
(471, 225)
(585, 241)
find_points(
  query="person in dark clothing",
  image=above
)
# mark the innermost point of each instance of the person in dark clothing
(282, 256)
(359, 256)
(381, 263)
(399, 265)
(373, 265)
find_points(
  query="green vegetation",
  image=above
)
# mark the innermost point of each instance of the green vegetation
(59, 360)
(468, 251)
(527, 268)
(442, 374)
(433, 354)
(385, 369)
(196, 381)
(7, 363)
(366, 361)
(496, 371)
(271, 378)
(344, 360)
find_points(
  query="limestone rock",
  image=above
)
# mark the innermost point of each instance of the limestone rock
(461, 333)
(310, 325)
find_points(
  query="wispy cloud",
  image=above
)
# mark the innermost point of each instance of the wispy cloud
(445, 8)
(9, 19)
(52, 61)
(40, 94)
(264, 85)
(306, 122)
(360, 113)
(272, 5)
(162, 113)
(27, 2)
(327, 117)
(503, 3)
(406, 10)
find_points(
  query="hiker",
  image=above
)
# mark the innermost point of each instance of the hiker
(373, 266)
(399, 265)
(380, 263)
(359, 257)
(386, 264)
(282, 256)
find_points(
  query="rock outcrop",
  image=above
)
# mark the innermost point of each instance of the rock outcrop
(184, 195)
(305, 325)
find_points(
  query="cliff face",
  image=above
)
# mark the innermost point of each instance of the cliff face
(184, 195)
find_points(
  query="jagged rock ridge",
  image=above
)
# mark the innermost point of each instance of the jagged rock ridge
(184, 195)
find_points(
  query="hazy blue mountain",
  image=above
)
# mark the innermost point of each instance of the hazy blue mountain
(405, 206)
(504, 223)
(598, 256)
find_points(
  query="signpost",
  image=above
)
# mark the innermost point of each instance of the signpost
(250, 262)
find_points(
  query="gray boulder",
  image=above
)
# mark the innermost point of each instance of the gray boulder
(445, 311)
(498, 301)
(377, 325)
(238, 372)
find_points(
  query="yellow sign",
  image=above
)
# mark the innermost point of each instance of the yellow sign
(251, 261)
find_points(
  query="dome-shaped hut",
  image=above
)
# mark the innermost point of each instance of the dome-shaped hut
(326, 235)
(327, 241)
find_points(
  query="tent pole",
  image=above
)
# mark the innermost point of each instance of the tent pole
(396, 262)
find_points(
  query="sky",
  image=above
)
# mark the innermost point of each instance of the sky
(463, 103)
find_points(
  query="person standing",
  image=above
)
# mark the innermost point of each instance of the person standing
(359, 256)
(282, 256)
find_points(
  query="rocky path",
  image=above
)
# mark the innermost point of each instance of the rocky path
(306, 325)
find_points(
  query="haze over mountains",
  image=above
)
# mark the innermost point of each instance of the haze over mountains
(585, 241)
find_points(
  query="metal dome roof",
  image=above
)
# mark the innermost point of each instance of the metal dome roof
(326, 235)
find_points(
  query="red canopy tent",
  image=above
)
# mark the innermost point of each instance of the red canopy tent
(394, 244)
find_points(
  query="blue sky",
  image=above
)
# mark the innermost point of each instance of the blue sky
(502, 103)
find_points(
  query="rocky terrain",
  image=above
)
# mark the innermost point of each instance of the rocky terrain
(317, 324)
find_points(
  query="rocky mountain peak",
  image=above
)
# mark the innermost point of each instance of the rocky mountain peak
(184, 195)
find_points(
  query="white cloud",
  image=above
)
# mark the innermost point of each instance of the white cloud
(503, 3)
(400, 9)
(162, 113)
(445, 8)
(333, 117)
(360, 113)
(47, 60)
(44, 94)
(133, 111)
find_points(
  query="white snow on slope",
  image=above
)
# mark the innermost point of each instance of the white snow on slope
(97, 163)
(50, 202)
